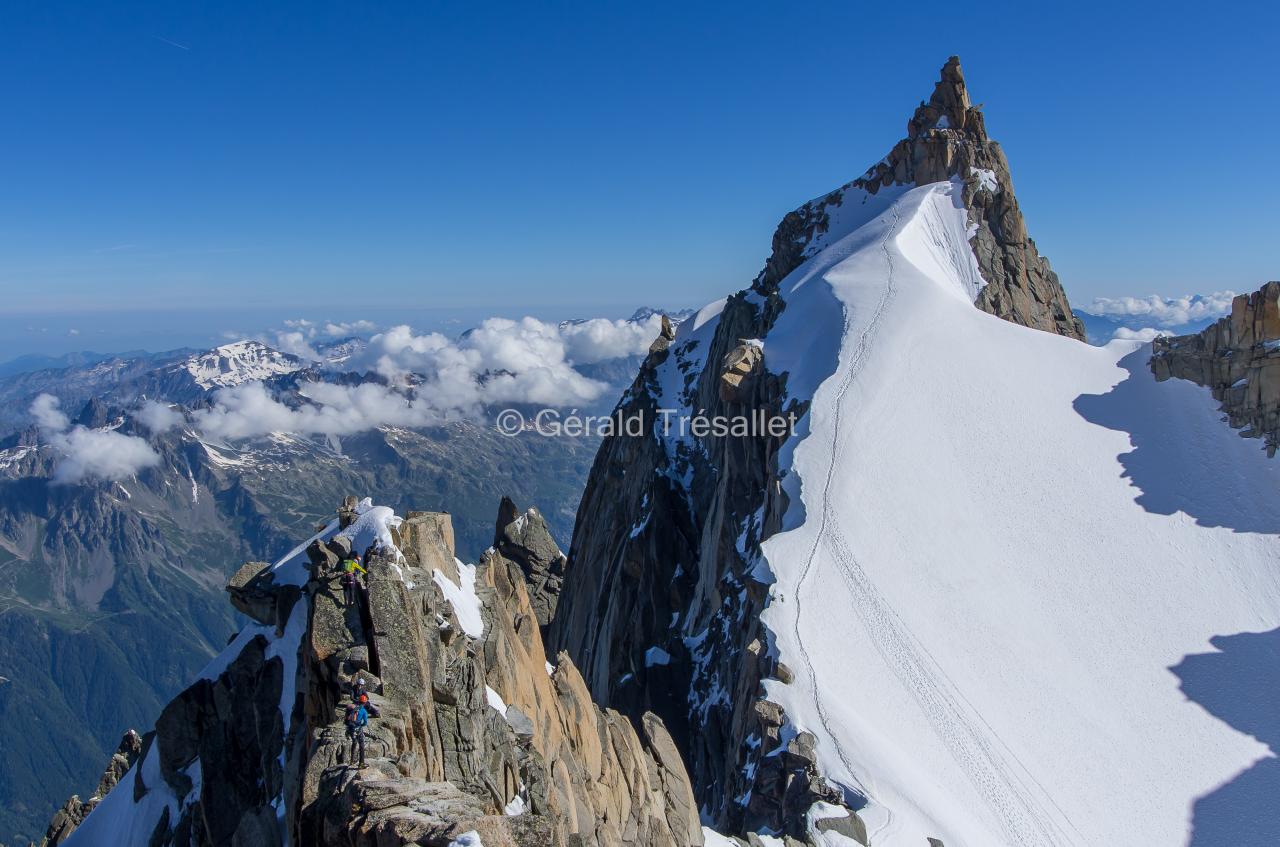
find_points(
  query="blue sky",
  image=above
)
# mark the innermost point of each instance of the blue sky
(587, 158)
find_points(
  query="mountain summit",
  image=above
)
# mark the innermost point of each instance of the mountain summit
(946, 140)
(966, 600)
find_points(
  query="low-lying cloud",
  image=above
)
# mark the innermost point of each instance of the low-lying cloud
(427, 378)
(1147, 333)
(158, 417)
(89, 453)
(1164, 311)
(300, 336)
(432, 378)
(249, 410)
(502, 345)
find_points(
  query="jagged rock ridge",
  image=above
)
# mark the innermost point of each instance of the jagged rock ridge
(1238, 358)
(75, 811)
(476, 731)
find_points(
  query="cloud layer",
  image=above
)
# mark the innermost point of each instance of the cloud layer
(300, 336)
(433, 378)
(89, 453)
(1164, 311)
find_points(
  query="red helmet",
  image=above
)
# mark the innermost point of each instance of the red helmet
(364, 698)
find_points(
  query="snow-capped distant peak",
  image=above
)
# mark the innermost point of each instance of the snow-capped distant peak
(238, 362)
(676, 316)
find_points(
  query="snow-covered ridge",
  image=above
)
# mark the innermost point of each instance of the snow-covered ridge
(239, 362)
(1001, 553)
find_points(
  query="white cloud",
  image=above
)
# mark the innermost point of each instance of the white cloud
(300, 336)
(599, 339)
(1147, 333)
(47, 414)
(249, 410)
(84, 452)
(1164, 311)
(500, 361)
(294, 342)
(342, 329)
(158, 417)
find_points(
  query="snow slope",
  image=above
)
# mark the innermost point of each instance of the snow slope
(1002, 544)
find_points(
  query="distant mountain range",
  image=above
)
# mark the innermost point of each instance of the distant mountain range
(111, 591)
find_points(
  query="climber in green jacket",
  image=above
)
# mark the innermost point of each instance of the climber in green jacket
(350, 566)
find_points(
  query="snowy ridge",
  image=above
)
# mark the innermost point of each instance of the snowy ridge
(981, 584)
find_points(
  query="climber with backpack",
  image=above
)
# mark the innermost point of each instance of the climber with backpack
(356, 719)
(350, 582)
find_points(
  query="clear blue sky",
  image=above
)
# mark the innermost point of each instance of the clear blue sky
(591, 157)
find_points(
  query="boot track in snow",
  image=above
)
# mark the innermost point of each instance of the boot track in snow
(1024, 818)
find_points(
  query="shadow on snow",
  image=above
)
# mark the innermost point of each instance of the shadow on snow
(1238, 685)
(1185, 458)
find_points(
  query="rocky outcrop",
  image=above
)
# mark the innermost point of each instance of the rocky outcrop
(474, 730)
(1238, 359)
(70, 816)
(523, 538)
(740, 364)
(665, 582)
(444, 759)
(254, 592)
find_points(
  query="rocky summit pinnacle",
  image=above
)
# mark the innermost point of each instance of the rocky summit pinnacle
(947, 140)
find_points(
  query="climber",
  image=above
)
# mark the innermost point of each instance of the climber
(368, 706)
(358, 690)
(356, 719)
(350, 582)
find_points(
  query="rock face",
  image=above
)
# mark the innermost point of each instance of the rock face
(74, 812)
(1238, 359)
(523, 538)
(661, 605)
(474, 731)
(664, 585)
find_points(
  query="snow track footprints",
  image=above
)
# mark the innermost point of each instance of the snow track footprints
(855, 367)
(1024, 818)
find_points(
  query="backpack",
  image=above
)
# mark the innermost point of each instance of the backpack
(352, 718)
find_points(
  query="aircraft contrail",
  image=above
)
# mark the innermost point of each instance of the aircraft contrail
(171, 43)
